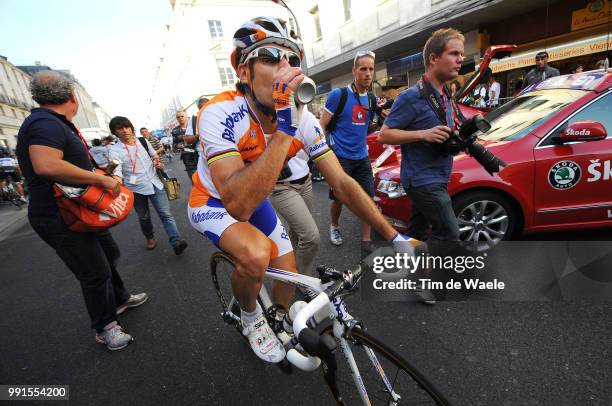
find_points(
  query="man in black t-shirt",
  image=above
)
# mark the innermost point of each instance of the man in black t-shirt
(50, 149)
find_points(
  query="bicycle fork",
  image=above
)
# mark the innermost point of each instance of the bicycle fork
(357, 379)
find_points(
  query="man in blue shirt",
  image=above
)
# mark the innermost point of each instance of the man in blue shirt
(415, 124)
(347, 134)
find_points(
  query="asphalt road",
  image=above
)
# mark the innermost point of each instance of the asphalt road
(478, 353)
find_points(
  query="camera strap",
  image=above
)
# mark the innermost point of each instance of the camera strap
(427, 93)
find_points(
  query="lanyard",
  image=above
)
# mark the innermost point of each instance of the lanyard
(357, 95)
(130, 157)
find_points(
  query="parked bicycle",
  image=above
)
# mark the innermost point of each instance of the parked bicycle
(376, 373)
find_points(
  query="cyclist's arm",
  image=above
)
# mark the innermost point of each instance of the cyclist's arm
(348, 191)
(243, 187)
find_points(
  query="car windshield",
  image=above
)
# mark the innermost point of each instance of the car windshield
(523, 114)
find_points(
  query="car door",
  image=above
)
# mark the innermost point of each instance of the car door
(574, 181)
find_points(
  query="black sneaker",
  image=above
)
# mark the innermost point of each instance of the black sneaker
(425, 296)
(180, 246)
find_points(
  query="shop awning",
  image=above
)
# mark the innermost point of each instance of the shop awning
(574, 49)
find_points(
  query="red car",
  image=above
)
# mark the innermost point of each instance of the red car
(554, 139)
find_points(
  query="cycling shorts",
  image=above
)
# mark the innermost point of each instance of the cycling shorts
(211, 220)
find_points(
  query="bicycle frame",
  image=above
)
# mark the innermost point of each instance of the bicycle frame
(342, 319)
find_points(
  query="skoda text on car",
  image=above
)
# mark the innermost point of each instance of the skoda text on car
(556, 140)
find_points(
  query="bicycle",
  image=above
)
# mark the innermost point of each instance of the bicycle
(389, 379)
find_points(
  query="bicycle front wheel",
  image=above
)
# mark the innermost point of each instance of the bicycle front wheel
(387, 378)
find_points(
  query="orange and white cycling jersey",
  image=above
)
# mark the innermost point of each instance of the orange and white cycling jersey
(227, 129)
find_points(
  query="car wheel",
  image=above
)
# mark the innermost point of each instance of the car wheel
(485, 219)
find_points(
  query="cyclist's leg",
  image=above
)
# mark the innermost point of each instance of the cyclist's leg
(253, 245)
(250, 249)
(282, 256)
(282, 293)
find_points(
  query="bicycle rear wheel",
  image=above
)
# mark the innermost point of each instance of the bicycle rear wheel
(404, 385)
(221, 269)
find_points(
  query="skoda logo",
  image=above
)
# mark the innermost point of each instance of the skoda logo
(564, 175)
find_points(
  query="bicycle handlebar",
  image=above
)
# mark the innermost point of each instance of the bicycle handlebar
(311, 341)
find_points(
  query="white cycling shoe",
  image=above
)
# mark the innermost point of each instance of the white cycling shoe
(263, 341)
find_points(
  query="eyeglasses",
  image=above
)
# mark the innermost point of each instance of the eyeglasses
(274, 55)
(360, 54)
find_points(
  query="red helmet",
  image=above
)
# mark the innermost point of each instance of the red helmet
(260, 31)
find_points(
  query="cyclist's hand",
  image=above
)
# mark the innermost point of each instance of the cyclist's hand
(288, 75)
(286, 81)
(411, 246)
(437, 135)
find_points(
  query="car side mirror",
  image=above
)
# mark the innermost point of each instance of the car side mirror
(586, 130)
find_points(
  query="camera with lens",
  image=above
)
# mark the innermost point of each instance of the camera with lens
(465, 139)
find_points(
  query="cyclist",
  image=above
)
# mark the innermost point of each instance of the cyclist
(9, 172)
(247, 135)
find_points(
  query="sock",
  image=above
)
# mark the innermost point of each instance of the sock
(250, 317)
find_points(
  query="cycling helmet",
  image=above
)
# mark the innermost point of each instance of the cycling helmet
(260, 31)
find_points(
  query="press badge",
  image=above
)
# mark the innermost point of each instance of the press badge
(133, 179)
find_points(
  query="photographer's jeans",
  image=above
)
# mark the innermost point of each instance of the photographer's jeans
(162, 206)
(431, 205)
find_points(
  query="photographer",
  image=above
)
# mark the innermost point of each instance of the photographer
(421, 120)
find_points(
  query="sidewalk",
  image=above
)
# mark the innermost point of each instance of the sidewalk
(11, 219)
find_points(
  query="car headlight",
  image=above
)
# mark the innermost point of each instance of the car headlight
(392, 189)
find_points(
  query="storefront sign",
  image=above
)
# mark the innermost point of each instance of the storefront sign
(324, 88)
(572, 50)
(595, 13)
(403, 65)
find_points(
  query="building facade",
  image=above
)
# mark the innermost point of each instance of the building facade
(194, 58)
(396, 30)
(86, 116)
(15, 102)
